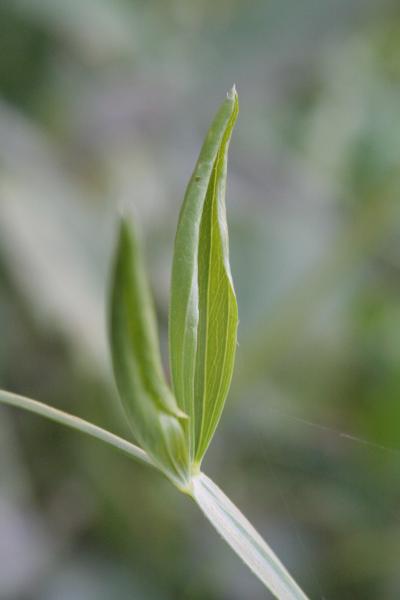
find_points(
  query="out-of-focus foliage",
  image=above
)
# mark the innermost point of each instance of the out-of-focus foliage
(314, 221)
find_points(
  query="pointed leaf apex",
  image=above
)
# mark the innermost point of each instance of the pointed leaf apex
(232, 94)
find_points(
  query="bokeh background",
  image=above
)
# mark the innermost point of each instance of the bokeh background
(106, 102)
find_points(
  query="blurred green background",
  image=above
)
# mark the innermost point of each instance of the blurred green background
(107, 101)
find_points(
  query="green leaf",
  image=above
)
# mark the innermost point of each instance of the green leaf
(151, 409)
(236, 530)
(59, 416)
(203, 311)
(219, 510)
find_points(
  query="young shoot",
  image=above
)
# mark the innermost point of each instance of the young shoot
(174, 427)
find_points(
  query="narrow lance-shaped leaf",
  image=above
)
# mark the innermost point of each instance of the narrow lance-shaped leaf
(150, 406)
(59, 416)
(236, 530)
(203, 311)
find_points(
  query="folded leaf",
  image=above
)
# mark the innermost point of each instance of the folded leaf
(203, 311)
(151, 409)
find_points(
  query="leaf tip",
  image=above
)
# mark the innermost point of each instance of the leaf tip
(180, 414)
(232, 94)
(122, 209)
(127, 214)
